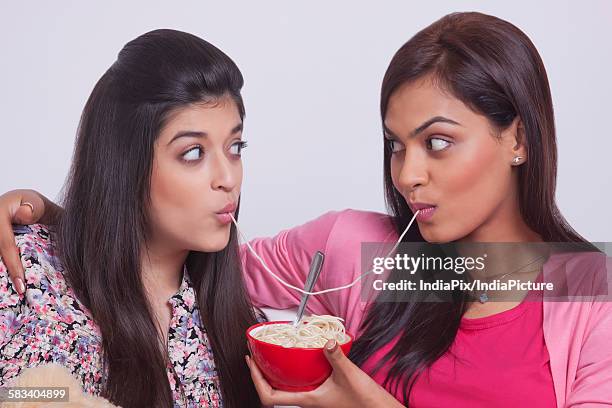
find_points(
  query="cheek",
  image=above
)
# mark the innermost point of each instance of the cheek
(471, 184)
(474, 174)
(178, 201)
(176, 190)
(467, 173)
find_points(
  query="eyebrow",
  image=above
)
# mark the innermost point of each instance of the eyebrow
(423, 126)
(198, 134)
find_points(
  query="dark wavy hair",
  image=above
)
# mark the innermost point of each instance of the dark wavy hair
(492, 67)
(101, 232)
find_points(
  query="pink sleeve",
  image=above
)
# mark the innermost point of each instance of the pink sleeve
(339, 236)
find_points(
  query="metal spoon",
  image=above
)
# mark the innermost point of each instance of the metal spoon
(313, 275)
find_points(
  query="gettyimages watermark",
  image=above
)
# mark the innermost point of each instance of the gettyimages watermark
(486, 272)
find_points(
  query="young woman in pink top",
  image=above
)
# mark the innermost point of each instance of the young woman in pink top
(469, 140)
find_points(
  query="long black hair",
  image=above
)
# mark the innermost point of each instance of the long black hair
(492, 67)
(101, 232)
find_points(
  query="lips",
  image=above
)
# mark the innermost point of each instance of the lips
(426, 210)
(224, 216)
(230, 208)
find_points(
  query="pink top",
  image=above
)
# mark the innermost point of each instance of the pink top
(576, 335)
(499, 360)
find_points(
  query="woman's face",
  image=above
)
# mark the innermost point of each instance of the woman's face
(449, 161)
(196, 177)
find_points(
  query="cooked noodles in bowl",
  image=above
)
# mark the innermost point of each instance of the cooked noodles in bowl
(293, 359)
(311, 332)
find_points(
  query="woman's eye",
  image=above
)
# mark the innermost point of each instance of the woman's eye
(236, 148)
(437, 144)
(193, 154)
(395, 146)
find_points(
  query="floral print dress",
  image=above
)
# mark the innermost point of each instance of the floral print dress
(49, 324)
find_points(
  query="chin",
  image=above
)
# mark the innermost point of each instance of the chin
(212, 242)
(432, 235)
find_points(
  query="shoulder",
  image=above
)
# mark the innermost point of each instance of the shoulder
(579, 276)
(352, 228)
(43, 271)
(347, 225)
(35, 249)
(34, 241)
(339, 234)
(581, 299)
(48, 323)
(362, 226)
(47, 290)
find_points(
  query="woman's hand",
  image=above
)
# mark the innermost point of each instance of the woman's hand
(19, 207)
(347, 387)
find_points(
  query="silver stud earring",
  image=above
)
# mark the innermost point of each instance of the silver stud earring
(517, 160)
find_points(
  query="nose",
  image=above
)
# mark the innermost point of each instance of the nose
(413, 173)
(225, 173)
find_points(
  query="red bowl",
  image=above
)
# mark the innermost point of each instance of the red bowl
(291, 368)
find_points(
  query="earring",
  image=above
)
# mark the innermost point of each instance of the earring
(517, 160)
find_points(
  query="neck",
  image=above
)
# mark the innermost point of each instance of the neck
(162, 270)
(505, 225)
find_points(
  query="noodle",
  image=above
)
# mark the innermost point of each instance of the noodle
(313, 331)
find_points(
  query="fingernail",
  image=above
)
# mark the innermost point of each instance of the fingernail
(331, 345)
(246, 358)
(25, 203)
(19, 286)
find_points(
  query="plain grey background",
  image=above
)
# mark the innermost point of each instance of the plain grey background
(313, 72)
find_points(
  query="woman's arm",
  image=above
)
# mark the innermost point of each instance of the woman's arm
(22, 207)
(288, 255)
(339, 235)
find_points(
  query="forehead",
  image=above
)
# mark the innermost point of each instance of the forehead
(418, 101)
(219, 116)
